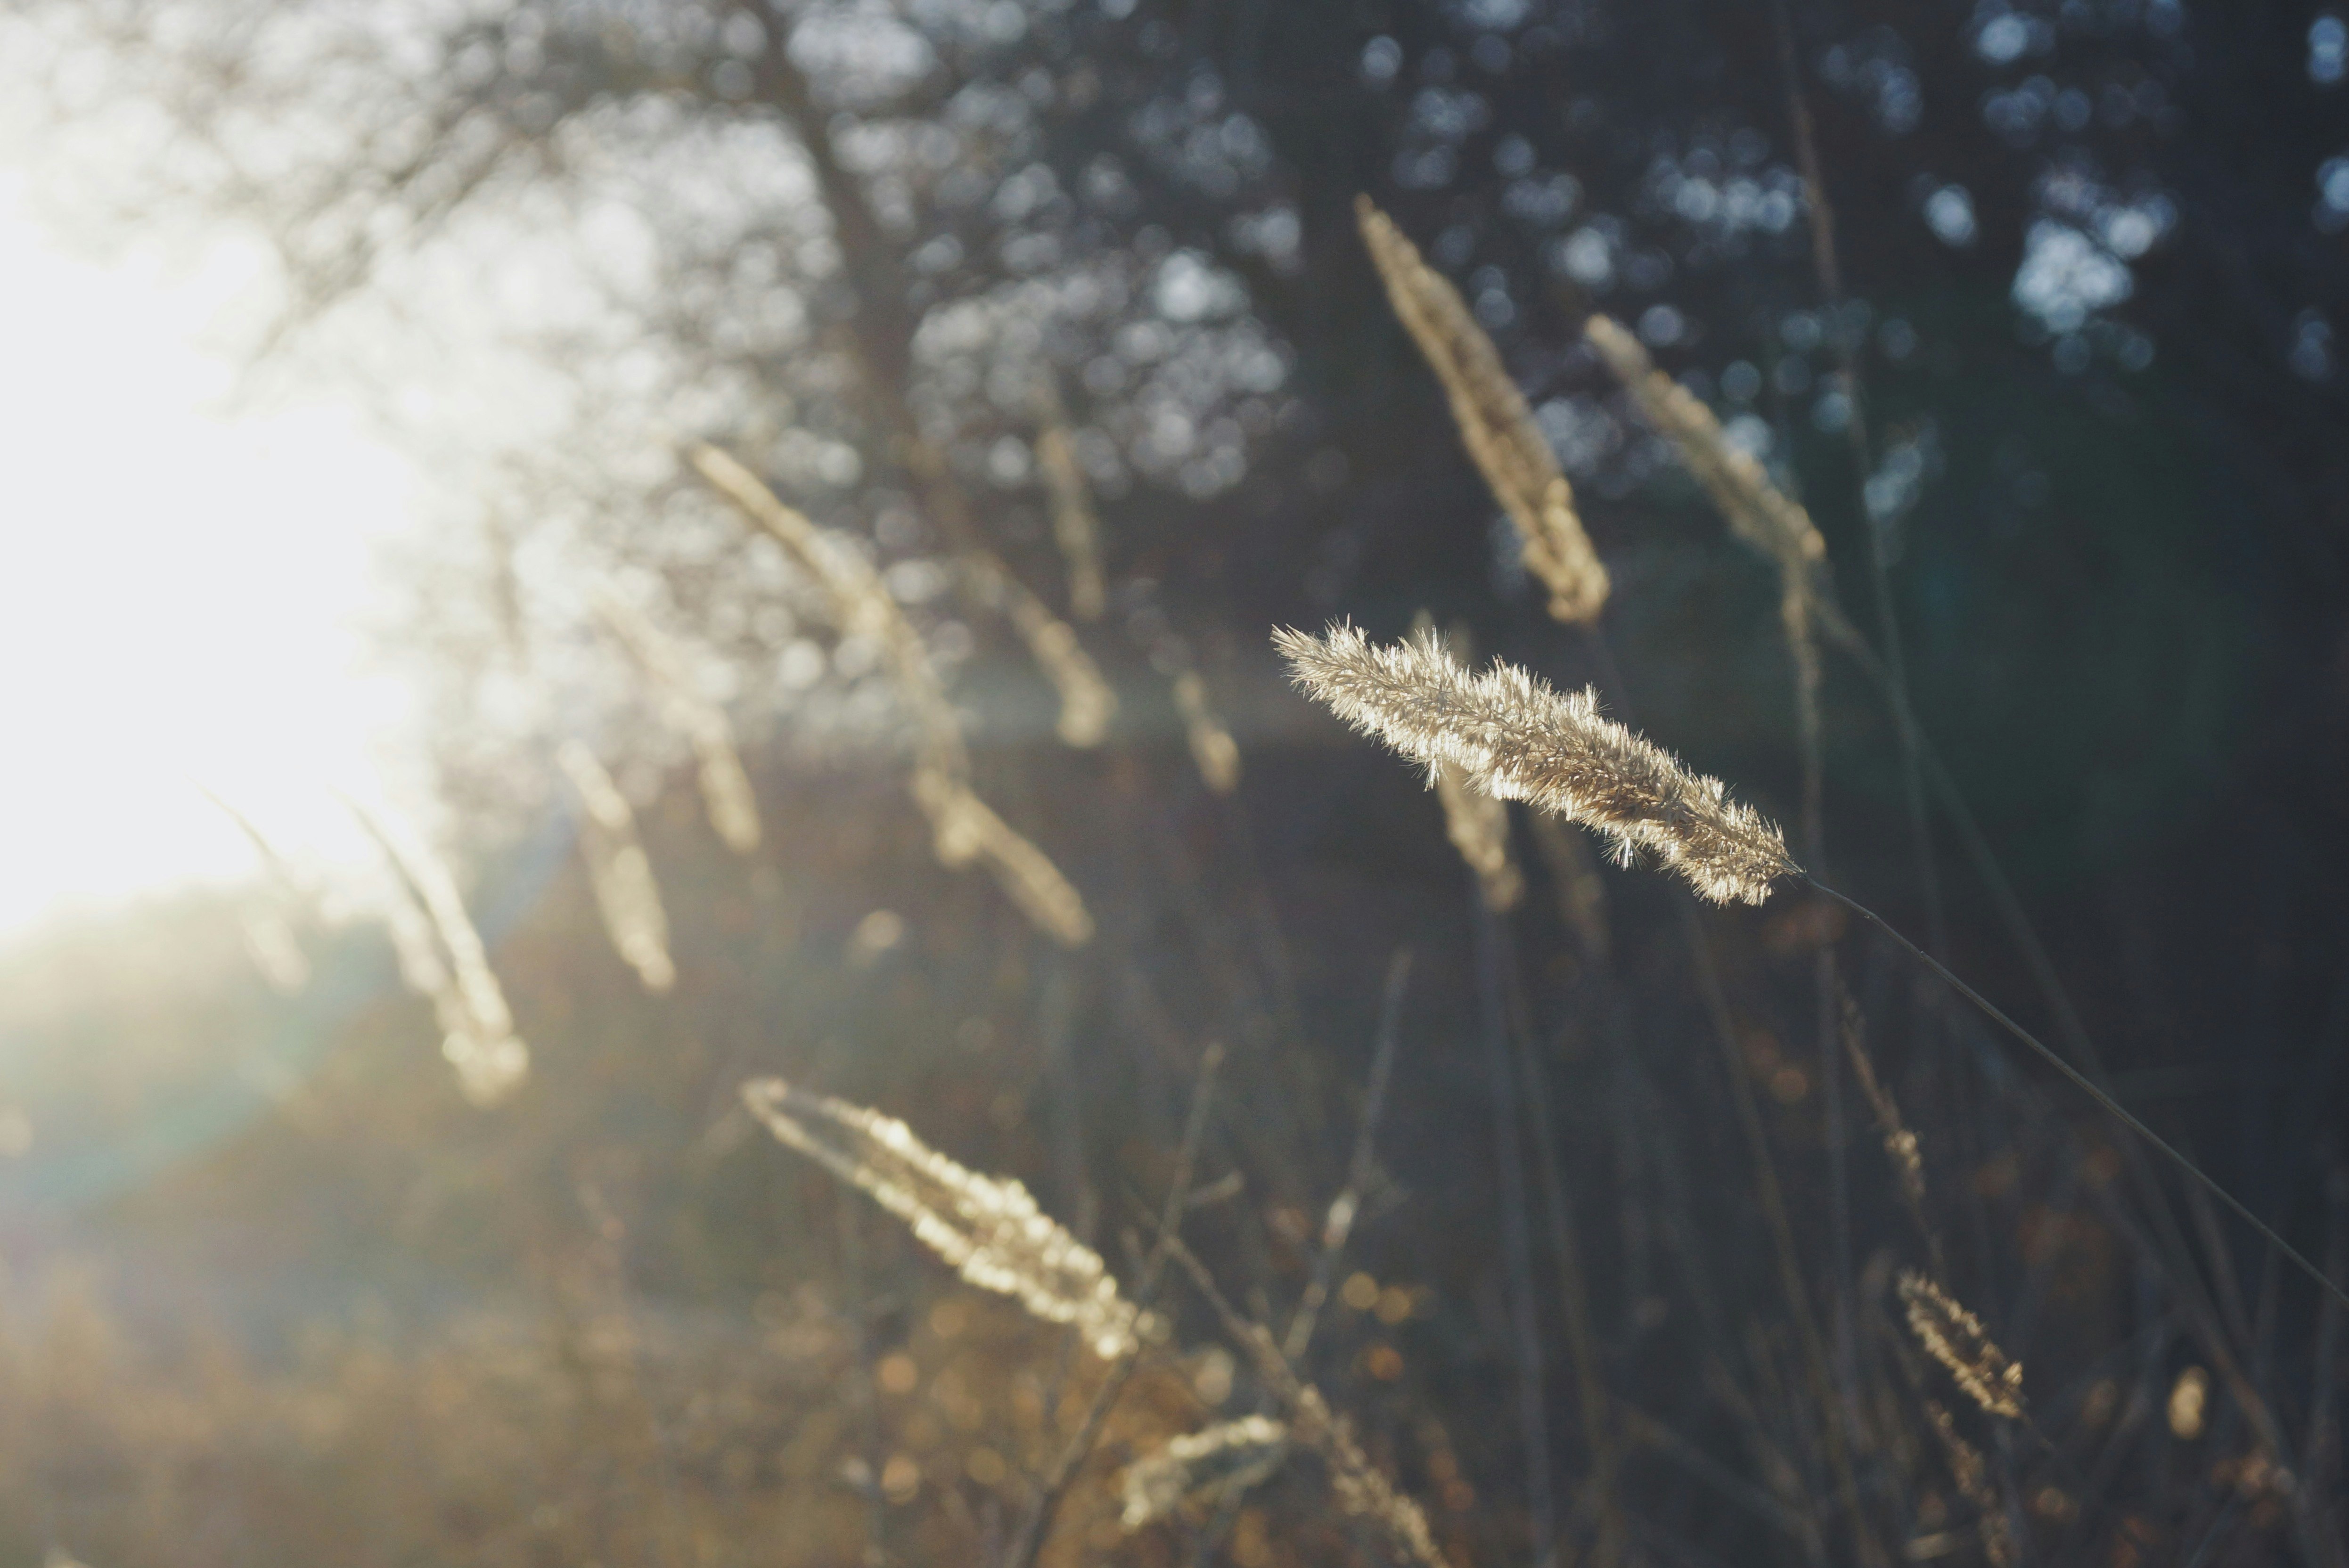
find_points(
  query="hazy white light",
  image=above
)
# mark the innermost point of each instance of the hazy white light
(178, 582)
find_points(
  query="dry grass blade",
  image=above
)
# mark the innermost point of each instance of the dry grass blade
(989, 1229)
(1087, 703)
(1076, 525)
(1956, 1338)
(1203, 1469)
(626, 893)
(1496, 426)
(441, 956)
(725, 791)
(1758, 511)
(1517, 739)
(1213, 750)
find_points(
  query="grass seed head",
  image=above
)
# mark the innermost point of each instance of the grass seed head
(1514, 737)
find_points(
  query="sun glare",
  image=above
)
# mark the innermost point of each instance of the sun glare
(183, 585)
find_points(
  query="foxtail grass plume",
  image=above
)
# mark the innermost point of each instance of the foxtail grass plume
(860, 603)
(626, 894)
(1076, 525)
(1476, 823)
(1972, 1473)
(1496, 426)
(1758, 510)
(1956, 1338)
(965, 829)
(1087, 703)
(726, 792)
(479, 1039)
(1204, 1470)
(1213, 750)
(989, 1229)
(1515, 739)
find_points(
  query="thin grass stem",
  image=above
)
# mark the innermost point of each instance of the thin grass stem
(2087, 1086)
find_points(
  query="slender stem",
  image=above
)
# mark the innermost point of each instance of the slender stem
(1574, 1288)
(1829, 276)
(1835, 1417)
(1516, 1235)
(1346, 1207)
(2086, 1085)
(1038, 1522)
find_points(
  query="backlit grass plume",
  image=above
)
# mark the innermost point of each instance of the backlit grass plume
(1517, 739)
(1213, 750)
(1971, 1472)
(442, 955)
(725, 791)
(1496, 426)
(1957, 1339)
(1758, 511)
(962, 825)
(1087, 703)
(626, 893)
(1204, 1470)
(988, 1228)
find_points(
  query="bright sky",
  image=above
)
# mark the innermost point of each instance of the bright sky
(181, 583)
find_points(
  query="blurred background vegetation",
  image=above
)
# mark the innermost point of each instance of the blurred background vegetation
(277, 1293)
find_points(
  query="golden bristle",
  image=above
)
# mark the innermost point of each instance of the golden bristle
(1204, 1469)
(1476, 823)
